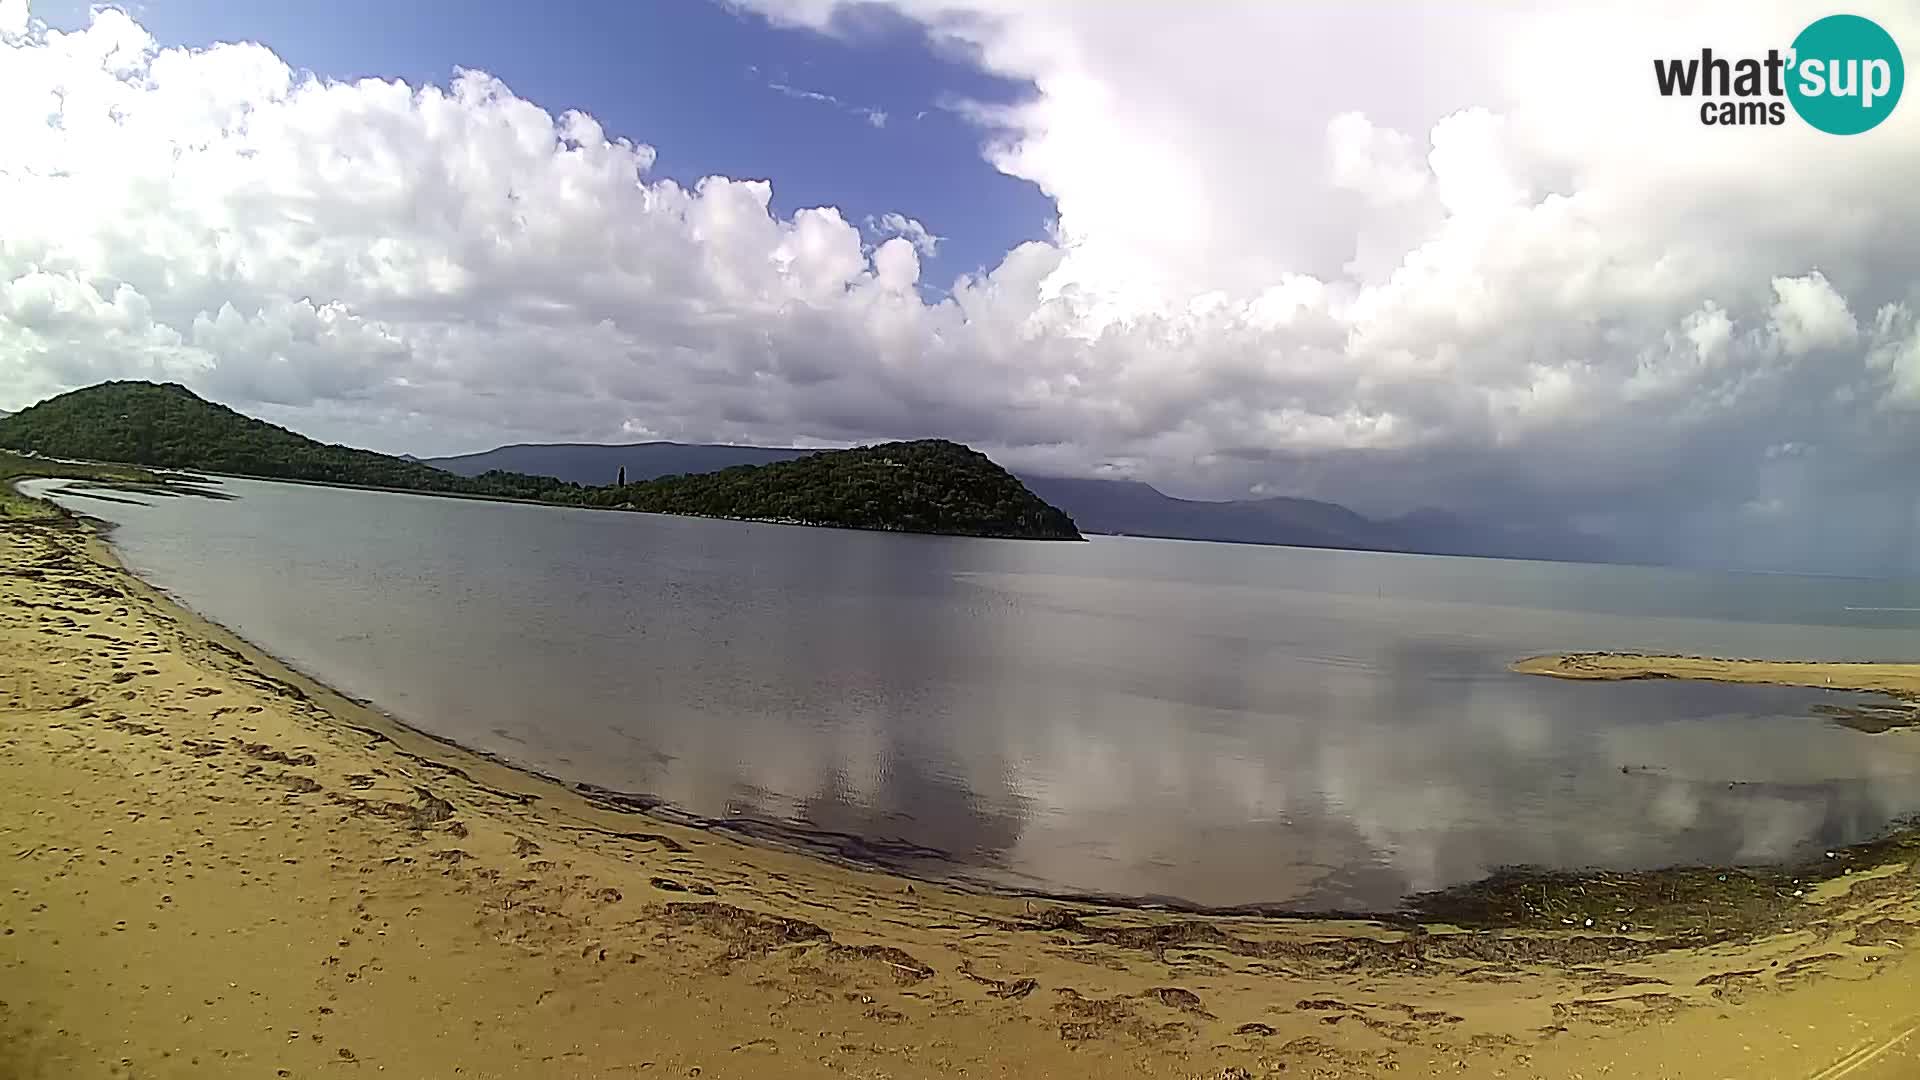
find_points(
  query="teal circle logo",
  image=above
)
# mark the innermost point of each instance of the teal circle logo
(1847, 74)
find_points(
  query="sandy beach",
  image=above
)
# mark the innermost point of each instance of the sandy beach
(210, 866)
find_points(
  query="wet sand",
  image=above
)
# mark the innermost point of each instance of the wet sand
(211, 866)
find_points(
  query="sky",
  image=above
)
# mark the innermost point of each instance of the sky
(1396, 256)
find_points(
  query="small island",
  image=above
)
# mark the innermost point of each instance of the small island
(925, 486)
(929, 486)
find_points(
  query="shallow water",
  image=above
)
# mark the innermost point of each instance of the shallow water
(1208, 723)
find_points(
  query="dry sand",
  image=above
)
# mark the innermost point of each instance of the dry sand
(212, 867)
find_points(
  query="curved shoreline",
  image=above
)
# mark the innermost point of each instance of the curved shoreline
(190, 820)
(1476, 903)
(1481, 902)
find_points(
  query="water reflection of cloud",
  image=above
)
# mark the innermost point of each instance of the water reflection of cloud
(1440, 775)
(1186, 721)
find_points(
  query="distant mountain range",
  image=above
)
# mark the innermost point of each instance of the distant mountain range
(594, 464)
(951, 489)
(928, 486)
(1122, 507)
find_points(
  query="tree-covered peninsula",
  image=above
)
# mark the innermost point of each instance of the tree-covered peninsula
(929, 486)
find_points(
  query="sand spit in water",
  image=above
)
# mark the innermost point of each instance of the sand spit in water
(1899, 681)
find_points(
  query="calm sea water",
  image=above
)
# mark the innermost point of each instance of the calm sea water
(1209, 723)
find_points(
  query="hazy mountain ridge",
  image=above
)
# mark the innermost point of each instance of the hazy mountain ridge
(595, 464)
(1129, 507)
(930, 486)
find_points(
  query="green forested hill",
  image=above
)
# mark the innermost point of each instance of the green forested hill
(168, 426)
(928, 486)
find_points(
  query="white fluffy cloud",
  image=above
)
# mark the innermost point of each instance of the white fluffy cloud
(1464, 257)
(1807, 314)
(908, 229)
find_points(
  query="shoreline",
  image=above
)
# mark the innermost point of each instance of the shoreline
(1475, 902)
(770, 834)
(1899, 681)
(452, 908)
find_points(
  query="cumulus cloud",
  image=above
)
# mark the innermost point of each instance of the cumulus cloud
(893, 224)
(1529, 290)
(1807, 314)
(1384, 165)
